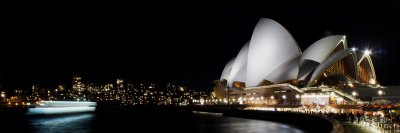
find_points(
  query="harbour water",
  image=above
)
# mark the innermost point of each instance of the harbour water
(142, 122)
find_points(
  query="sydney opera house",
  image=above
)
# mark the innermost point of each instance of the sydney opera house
(271, 68)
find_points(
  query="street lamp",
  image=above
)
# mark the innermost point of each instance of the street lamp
(283, 97)
(297, 96)
(354, 93)
(2, 95)
(272, 98)
(380, 92)
(227, 92)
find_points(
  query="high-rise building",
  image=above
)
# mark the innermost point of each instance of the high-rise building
(77, 83)
(120, 83)
(77, 86)
(120, 90)
(35, 92)
(61, 92)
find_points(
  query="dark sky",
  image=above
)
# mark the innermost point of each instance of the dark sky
(175, 43)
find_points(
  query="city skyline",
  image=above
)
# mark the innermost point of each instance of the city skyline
(51, 47)
(70, 84)
(117, 93)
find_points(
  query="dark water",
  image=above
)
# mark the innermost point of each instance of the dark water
(143, 122)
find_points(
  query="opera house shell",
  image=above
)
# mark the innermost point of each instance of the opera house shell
(272, 56)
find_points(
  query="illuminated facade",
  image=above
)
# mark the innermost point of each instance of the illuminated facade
(273, 58)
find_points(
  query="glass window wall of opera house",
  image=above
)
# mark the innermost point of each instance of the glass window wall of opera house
(271, 70)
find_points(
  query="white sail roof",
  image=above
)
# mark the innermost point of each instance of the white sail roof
(272, 54)
(270, 45)
(318, 52)
(367, 61)
(286, 71)
(239, 67)
(328, 62)
(227, 70)
(321, 49)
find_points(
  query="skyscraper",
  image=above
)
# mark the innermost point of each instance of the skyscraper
(77, 86)
(120, 90)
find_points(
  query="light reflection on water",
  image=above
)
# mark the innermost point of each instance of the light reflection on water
(239, 125)
(75, 123)
(132, 122)
(216, 122)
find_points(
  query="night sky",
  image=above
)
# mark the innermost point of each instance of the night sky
(190, 44)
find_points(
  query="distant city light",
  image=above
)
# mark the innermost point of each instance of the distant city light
(353, 49)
